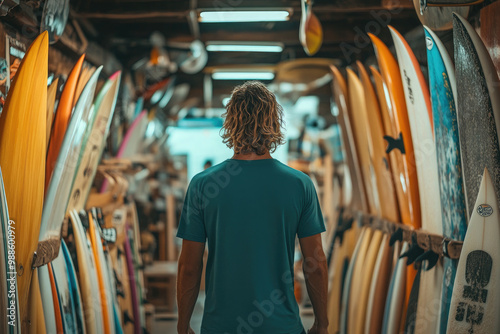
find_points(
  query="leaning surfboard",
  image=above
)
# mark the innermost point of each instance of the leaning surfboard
(57, 195)
(61, 119)
(22, 157)
(453, 209)
(94, 142)
(475, 301)
(400, 140)
(478, 109)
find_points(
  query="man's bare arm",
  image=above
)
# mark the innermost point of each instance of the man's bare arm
(188, 282)
(316, 275)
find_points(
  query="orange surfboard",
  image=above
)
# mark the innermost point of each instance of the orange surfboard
(57, 309)
(61, 119)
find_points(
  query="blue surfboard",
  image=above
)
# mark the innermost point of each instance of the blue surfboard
(442, 85)
(74, 289)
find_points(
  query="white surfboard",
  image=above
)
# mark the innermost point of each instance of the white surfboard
(419, 113)
(475, 302)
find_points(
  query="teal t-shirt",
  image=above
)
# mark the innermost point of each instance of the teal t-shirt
(250, 212)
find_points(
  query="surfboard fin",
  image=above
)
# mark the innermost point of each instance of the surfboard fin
(393, 143)
(431, 258)
(412, 253)
(396, 236)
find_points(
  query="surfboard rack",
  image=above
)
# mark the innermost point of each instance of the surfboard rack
(48, 250)
(427, 242)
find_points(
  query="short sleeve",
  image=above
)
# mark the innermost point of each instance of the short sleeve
(191, 225)
(311, 219)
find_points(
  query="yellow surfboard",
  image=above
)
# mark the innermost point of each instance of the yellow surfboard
(22, 157)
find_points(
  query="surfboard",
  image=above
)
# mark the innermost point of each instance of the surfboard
(354, 306)
(55, 301)
(419, 111)
(61, 119)
(35, 307)
(104, 289)
(475, 301)
(395, 302)
(380, 161)
(379, 287)
(453, 209)
(357, 113)
(341, 255)
(85, 75)
(344, 315)
(478, 109)
(94, 139)
(313, 33)
(51, 101)
(135, 246)
(57, 194)
(131, 141)
(47, 301)
(74, 289)
(131, 278)
(64, 295)
(405, 176)
(87, 277)
(359, 306)
(357, 200)
(22, 157)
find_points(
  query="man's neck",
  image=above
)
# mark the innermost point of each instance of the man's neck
(252, 156)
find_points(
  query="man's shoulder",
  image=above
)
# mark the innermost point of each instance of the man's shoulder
(294, 174)
(226, 167)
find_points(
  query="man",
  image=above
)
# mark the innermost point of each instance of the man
(250, 209)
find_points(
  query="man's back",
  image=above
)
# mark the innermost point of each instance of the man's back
(250, 211)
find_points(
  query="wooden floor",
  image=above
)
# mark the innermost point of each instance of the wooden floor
(170, 326)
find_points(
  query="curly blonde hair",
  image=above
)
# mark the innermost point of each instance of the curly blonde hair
(253, 120)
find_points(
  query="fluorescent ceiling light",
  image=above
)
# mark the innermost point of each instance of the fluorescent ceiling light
(244, 16)
(214, 47)
(250, 75)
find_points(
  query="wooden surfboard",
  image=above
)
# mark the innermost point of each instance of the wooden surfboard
(348, 283)
(354, 303)
(61, 120)
(51, 101)
(357, 113)
(22, 157)
(341, 259)
(366, 272)
(87, 277)
(104, 289)
(405, 176)
(36, 310)
(57, 195)
(94, 139)
(475, 301)
(357, 200)
(385, 184)
(379, 288)
(453, 209)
